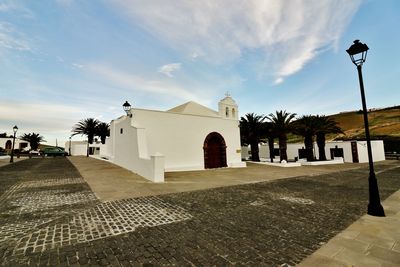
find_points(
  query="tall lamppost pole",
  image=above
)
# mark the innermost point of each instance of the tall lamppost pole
(358, 54)
(69, 149)
(15, 129)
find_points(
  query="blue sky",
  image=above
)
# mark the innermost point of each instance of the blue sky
(66, 60)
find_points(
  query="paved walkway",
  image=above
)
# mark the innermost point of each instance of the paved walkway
(370, 241)
(111, 182)
(4, 162)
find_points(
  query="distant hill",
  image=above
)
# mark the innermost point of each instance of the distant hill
(383, 124)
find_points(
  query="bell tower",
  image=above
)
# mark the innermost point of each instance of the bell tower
(228, 109)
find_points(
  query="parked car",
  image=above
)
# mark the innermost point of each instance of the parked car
(34, 153)
(54, 151)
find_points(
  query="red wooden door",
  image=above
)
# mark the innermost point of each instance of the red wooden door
(214, 151)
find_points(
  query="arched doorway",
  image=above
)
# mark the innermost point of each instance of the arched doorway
(214, 151)
(8, 144)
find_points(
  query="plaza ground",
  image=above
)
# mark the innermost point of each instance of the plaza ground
(85, 212)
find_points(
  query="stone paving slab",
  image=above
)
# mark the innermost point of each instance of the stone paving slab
(104, 220)
(370, 241)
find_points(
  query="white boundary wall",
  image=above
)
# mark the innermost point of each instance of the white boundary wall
(378, 151)
(18, 141)
(78, 148)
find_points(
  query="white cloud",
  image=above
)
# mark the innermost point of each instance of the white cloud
(288, 33)
(5, 7)
(12, 39)
(77, 66)
(169, 68)
(52, 121)
(38, 117)
(129, 81)
(278, 81)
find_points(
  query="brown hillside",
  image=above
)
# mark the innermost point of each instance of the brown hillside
(383, 122)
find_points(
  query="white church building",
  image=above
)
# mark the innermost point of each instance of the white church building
(187, 137)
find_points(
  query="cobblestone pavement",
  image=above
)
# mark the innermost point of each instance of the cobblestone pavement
(49, 217)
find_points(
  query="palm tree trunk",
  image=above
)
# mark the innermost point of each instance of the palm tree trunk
(271, 148)
(321, 146)
(103, 139)
(308, 143)
(283, 147)
(254, 151)
(90, 138)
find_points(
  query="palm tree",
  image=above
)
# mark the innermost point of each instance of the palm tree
(282, 125)
(306, 126)
(86, 127)
(250, 131)
(268, 132)
(34, 139)
(102, 131)
(325, 125)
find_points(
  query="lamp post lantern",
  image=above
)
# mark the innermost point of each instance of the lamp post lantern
(358, 54)
(127, 108)
(15, 129)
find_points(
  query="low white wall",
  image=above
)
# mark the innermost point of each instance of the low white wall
(346, 146)
(129, 150)
(378, 151)
(78, 148)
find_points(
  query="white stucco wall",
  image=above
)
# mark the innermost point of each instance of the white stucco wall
(129, 150)
(180, 137)
(18, 141)
(378, 151)
(346, 146)
(155, 141)
(78, 148)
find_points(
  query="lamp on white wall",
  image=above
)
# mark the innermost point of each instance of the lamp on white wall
(127, 108)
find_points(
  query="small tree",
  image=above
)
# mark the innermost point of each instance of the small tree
(102, 131)
(250, 131)
(269, 133)
(306, 126)
(34, 139)
(86, 127)
(325, 125)
(282, 125)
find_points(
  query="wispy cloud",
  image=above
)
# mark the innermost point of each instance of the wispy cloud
(38, 117)
(169, 68)
(129, 81)
(77, 66)
(12, 39)
(18, 8)
(289, 33)
(5, 7)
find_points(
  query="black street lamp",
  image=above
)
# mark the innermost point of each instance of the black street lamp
(358, 54)
(15, 129)
(127, 108)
